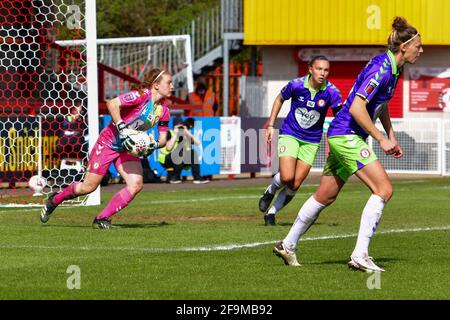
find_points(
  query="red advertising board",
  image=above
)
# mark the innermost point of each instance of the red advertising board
(429, 89)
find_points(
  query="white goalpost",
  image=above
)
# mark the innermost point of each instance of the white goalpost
(92, 90)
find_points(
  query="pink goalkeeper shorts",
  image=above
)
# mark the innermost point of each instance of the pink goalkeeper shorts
(102, 156)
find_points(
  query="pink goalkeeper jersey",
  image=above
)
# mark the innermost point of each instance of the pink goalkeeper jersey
(139, 113)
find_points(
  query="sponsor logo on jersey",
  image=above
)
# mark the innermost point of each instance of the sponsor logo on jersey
(310, 104)
(321, 103)
(306, 119)
(130, 97)
(282, 149)
(147, 118)
(301, 98)
(96, 165)
(372, 85)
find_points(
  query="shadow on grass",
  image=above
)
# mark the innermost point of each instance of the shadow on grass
(379, 261)
(143, 225)
(278, 224)
(284, 224)
(289, 224)
(115, 226)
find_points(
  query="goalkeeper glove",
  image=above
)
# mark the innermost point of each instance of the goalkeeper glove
(124, 135)
(152, 147)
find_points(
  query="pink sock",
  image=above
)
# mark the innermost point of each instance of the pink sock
(67, 193)
(119, 201)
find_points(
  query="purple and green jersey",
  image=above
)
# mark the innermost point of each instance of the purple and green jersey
(308, 108)
(376, 85)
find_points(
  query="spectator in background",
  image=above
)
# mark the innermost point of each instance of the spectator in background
(204, 98)
(179, 153)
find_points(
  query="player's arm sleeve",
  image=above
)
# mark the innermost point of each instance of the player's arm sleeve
(373, 82)
(114, 106)
(130, 99)
(163, 123)
(336, 100)
(336, 109)
(286, 92)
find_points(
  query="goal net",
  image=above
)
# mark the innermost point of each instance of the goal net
(44, 109)
(134, 56)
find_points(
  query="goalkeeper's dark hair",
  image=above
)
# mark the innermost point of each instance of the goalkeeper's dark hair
(151, 77)
(316, 58)
(402, 32)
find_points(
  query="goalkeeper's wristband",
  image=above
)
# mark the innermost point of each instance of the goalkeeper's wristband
(120, 125)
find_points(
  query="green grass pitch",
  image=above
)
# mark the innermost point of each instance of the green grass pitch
(212, 244)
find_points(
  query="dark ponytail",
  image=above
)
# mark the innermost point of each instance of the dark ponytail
(402, 32)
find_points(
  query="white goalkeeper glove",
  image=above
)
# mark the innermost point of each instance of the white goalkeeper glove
(124, 134)
(152, 147)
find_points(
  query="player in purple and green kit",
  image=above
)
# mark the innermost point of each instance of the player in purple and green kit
(139, 109)
(350, 154)
(301, 132)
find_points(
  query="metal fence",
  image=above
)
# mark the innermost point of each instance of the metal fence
(232, 16)
(446, 147)
(253, 98)
(207, 29)
(425, 142)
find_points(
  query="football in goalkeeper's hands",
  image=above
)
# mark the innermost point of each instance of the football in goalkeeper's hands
(140, 143)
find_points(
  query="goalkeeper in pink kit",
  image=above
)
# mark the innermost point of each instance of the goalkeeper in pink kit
(138, 110)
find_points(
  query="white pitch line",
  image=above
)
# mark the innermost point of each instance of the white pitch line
(243, 197)
(218, 247)
(32, 209)
(331, 237)
(219, 198)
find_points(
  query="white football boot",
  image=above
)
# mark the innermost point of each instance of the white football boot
(364, 263)
(289, 257)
